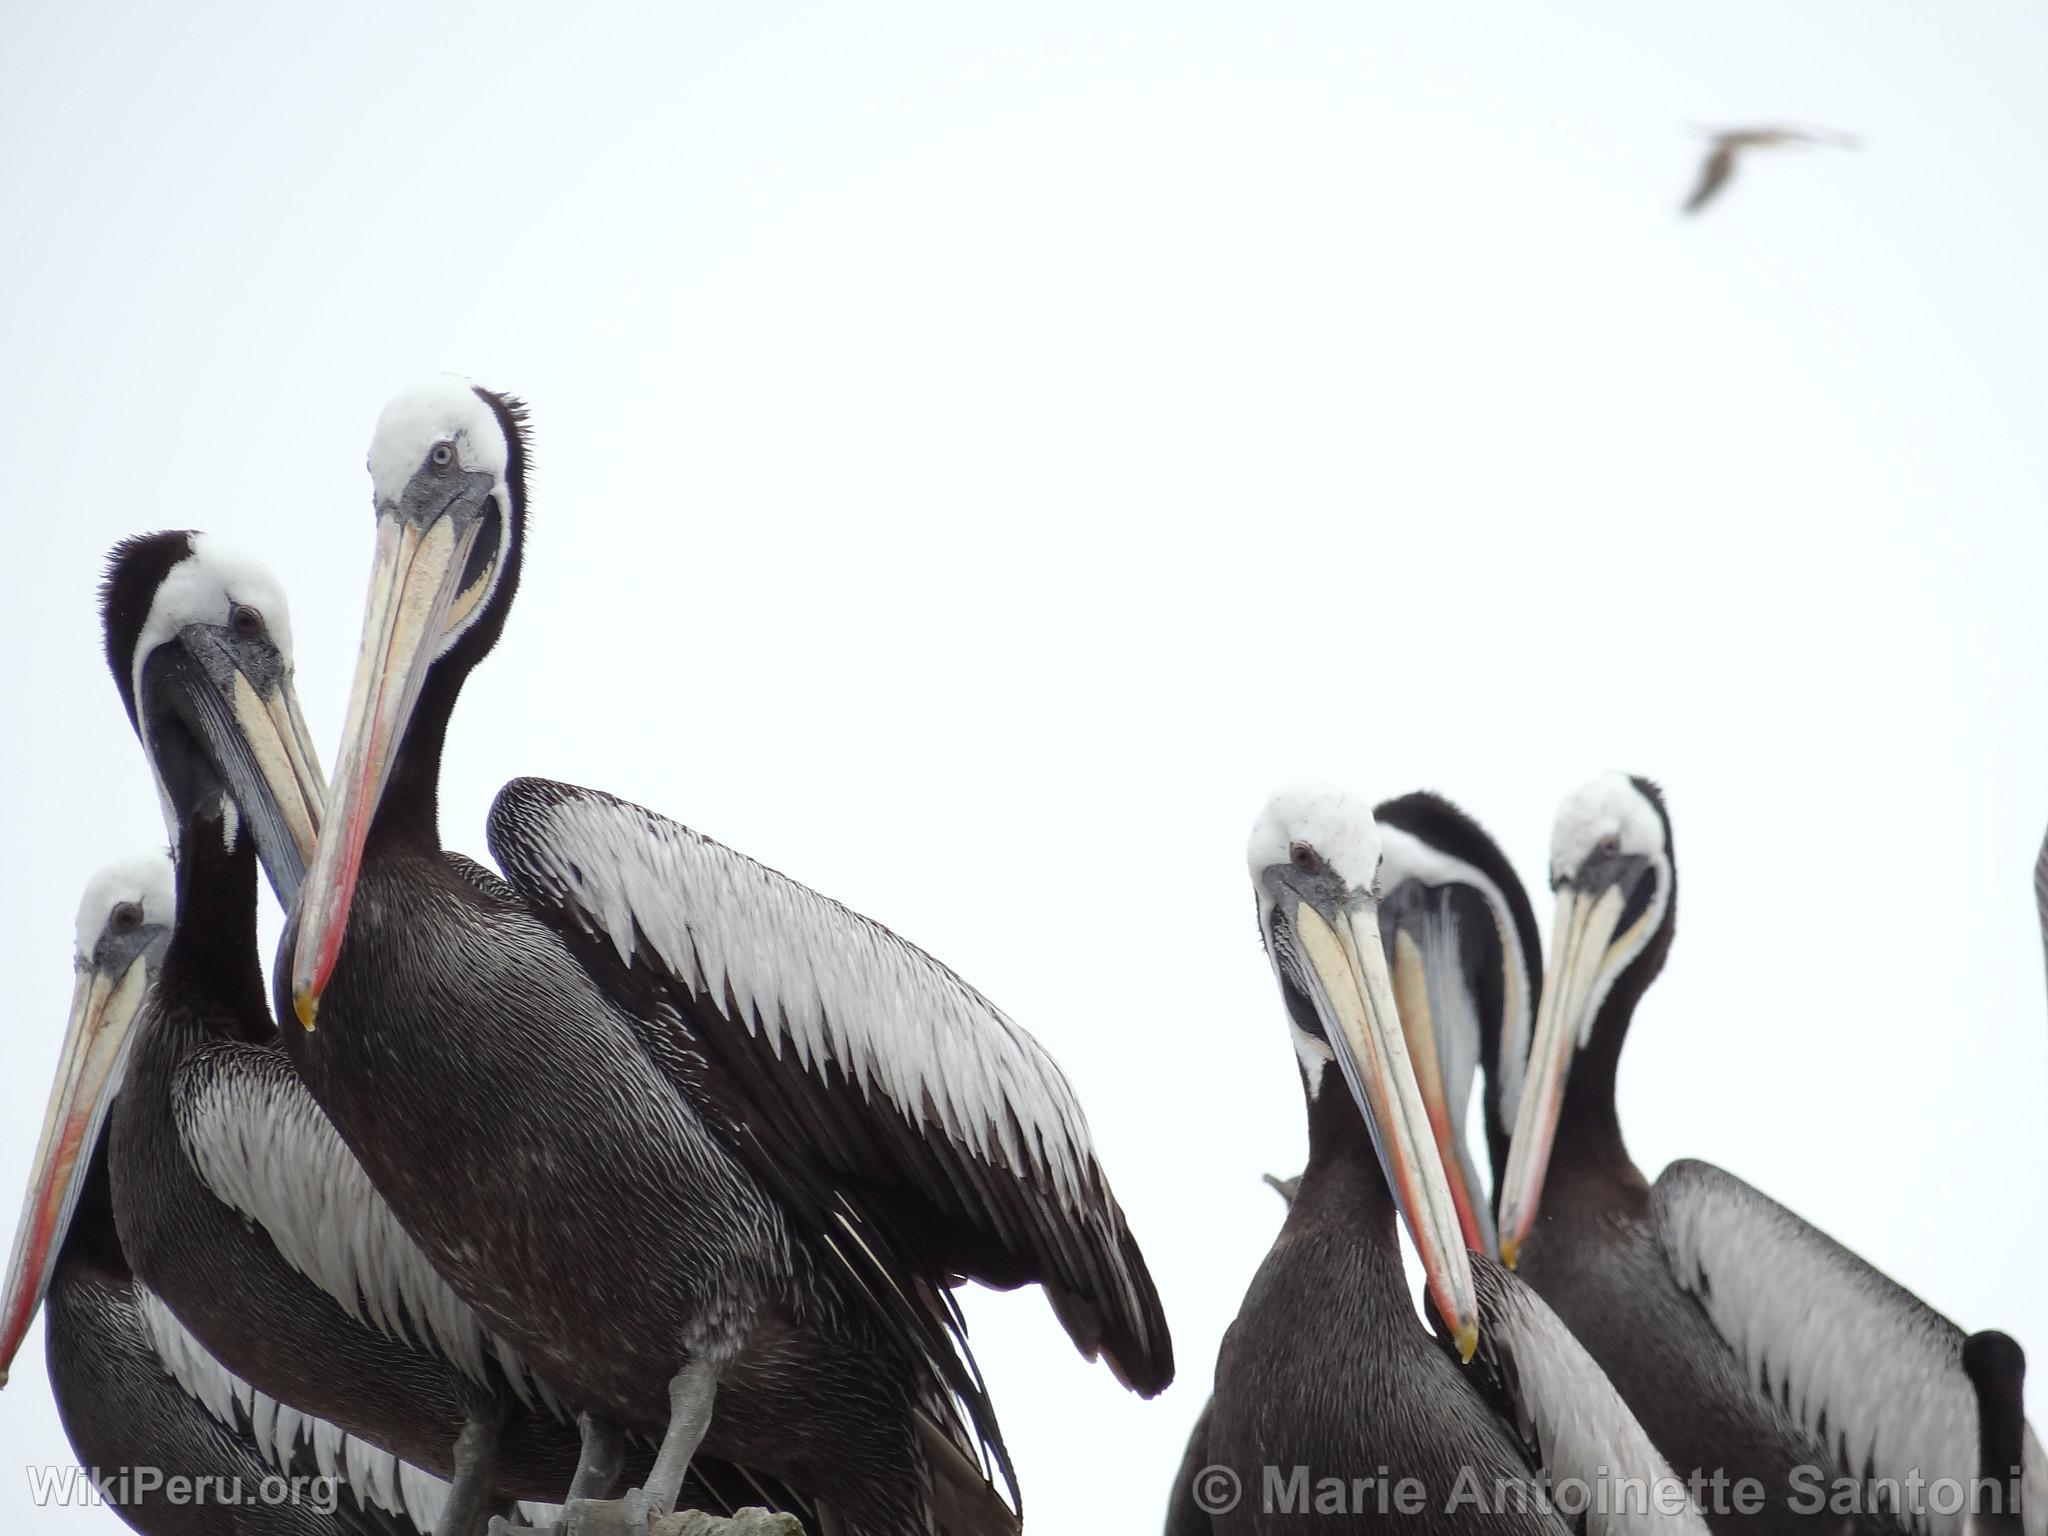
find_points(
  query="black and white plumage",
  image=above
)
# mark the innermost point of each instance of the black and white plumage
(1325, 1368)
(833, 1128)
(133, 1388)
(236, 1202)
(198, 637)
(1464, 958)
(848, 1058)
(1744, 1339)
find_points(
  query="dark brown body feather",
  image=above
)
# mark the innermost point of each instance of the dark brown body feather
(1328, 1368)
(557, 1135)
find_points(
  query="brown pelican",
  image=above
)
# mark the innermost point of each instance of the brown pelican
(235, 1201)
(724, 1145)
(1728, 143)
(1464, 958)
(1334, 1408)
(1744, 1339)
(133, 1388)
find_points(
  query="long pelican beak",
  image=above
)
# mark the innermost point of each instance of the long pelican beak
(1420, 1024)
(102, 1009)
(290, 766)
(1579, 944)
(1355, 1000)
(413, 597)
(268, 761)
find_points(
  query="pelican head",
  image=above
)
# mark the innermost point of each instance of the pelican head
(124, 927)
(199, 639)
(1314, 858)
(1612, 872)
(447, 473)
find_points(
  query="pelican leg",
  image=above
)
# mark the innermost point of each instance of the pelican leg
(471, 1492)
(689, 1415)
(628, 1516)
(603, 1458)
(640, 1511)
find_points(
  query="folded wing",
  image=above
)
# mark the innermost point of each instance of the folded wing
(255, 1137)
(869, 1084)
(1870, 1370)
(1572, 1423)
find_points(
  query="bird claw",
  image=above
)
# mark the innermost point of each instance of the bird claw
(626, 1516)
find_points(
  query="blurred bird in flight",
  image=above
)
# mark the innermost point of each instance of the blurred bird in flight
(1730, 142)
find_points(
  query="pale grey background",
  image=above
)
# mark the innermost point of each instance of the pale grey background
(983, 448)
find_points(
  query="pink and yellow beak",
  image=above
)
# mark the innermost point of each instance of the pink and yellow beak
(1419, 1022)
(1352, 993)
(416, 593)
(1582, 939)
(103, 1009)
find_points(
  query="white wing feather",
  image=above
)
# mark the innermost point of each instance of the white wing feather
(376, 1478)
(825, 983)
(1584, 1433)
(260, 1143)
(1864, 1365)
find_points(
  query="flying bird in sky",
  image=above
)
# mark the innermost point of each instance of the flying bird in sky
(1730, 142)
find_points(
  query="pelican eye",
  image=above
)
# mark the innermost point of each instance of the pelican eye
(1304, 857)
(126, 917)
(245, 621)
(441, 457)
(1608, 846)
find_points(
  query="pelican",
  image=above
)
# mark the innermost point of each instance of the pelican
(1464, 957)
(1327, 1386)
(724, 1145)
(1719, 165)
(235, 1201)
(133, 1388)
(1744, 1339)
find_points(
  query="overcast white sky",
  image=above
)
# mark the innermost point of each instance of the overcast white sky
(982, 449)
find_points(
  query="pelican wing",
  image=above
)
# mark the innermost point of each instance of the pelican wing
(1571, 1421)
(1871, 1371)
(256, 1138)
(859, 1074)
(395, 1495)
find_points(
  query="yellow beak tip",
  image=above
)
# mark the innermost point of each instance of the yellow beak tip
(306, 1006)
(1510, 1247)
(1468, 1342)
